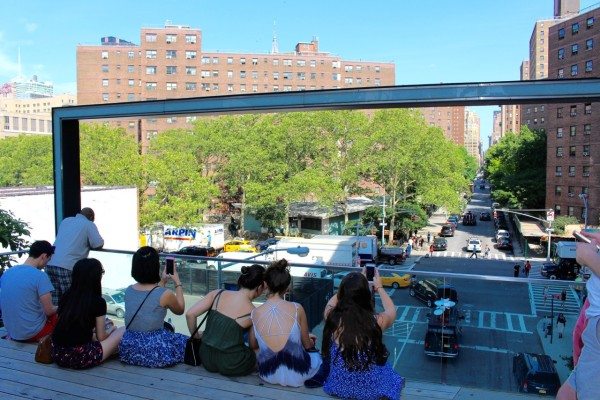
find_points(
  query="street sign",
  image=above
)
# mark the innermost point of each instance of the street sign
(382, 224)
(550, 215)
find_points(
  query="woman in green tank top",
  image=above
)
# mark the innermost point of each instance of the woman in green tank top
(223, 349)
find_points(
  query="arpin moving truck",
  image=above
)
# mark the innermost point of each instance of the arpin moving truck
(332, 251)
(172, 238)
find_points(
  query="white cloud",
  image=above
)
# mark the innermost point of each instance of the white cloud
(31, 27)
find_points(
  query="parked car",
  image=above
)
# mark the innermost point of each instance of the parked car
(485, 216)
(453, 220)
(473, 245)
(440, 243)
(239, 245)
(394, 279)
(502, 233)
(202, 251)
(115, 302)
(504, 244)
(430, 290)
(535, 373)
(390, 254)
(447, 230)
(567, 269)
(264, 244)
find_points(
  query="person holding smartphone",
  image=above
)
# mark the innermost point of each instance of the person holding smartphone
(146, 341)
(583, 381)
(353, 341)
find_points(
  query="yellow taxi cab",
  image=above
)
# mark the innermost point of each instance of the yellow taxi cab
(239, 245)
(394, 279)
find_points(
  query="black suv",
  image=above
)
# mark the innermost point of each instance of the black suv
(430, 290)
(443, 334)
(447, 230)
(567, 269)
(390, 254)
(535, 373)
(202, 251)
(440, 243)
(469, 219)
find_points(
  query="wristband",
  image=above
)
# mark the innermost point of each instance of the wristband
(176, 286)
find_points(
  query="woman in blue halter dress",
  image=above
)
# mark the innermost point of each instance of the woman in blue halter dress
(280, 333)
(353, 342)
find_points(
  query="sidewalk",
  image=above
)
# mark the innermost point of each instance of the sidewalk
(560, 347)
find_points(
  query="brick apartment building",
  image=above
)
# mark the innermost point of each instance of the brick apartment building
(573, 130)
(170, 63)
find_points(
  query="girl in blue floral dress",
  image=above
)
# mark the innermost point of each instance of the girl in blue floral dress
(353, 342)
(146, 342)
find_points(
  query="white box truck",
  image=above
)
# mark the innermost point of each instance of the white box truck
(333, 251)
(230, 266)
(367, 245)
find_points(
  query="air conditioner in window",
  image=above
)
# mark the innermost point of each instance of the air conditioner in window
(169, 41)
(586, 153)
(558, 174)
(571, 194)
(586, 174)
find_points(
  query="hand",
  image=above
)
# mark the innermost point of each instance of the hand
(377, 279)
(313, 339)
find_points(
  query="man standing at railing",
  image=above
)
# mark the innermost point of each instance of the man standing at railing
(75, 238)
(26, 302)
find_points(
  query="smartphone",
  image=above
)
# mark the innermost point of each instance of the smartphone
(170, 263)
(579, 236)
(370, 272)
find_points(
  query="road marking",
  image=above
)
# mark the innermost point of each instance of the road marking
(409, 331)
(478, 348)
(415, 317)
(403, 315)
(532, 300)
(509, 321)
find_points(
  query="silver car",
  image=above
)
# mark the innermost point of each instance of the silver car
(115, 302)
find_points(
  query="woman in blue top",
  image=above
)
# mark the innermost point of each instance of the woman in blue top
(353, 342)
(280, 333)
(146, 341)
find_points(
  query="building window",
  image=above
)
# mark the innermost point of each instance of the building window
(561, 33)
(190, 71)
(171, 86)
(104, 82)
(171, 54)
(573, 130)
(558, 171)
(229, 60)
(377, 68)
(254, 74)
(205, 87)
(104, 68)
(584, 190)
(190, 55)
(205, 60)
(171, 38)
(571, 191)
(348, 68)
(588, 108)
(561, 73)
(586, 170)
(150, 85)
(301, 76)
(254, 88)
(575, 28)
(573, 111)
(570, 211)
(287, 63)
(150, 37)
(230, 74)
(130, 69)
(215, 73)
(243, 61)
(559, 132)
(151, 54)
(559, 151)
(589, 44)
(586, 150)
(242, 74)
(561, 54)
(130, 55)
(130, 97)
(313, 63)
(558, 190)
(557, 209)
(287, 75)
(229, 87)
(130, 82)
(205, 73)
(574, 49)
(190, 86)
(589, 66)
(574, 70)
(571, 170)
(559, 112)
(287, 88)
(587, 129)
(191, 39)
(215, 87)
(242, 87)
(276, 88)
(104, 98)
(275, 62)
(151, 70)
(589, 22)
(572, 152)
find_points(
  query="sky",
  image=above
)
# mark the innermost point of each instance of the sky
(430, 41)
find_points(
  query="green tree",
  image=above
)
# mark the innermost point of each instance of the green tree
(562, 221)
(12, 232)
(26, 160)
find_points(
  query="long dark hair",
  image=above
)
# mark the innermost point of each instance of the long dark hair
(86, 286)
(353, 323)
(278, 277)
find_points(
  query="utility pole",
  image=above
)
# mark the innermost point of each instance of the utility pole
(584, 197)
(383, 222)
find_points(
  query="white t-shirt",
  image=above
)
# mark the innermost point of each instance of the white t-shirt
(593, 290)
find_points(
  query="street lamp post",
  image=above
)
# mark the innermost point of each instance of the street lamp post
(584, 197)
(383, 222)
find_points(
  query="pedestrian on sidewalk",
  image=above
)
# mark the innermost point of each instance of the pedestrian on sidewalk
(474, 253)
(546, 293)
(487, 251)
(431, 250)
(516, 270)
(428, 237)
(561, 321)
(527, 268)
(563, 297)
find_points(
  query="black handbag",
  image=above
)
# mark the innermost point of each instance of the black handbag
(192, 346)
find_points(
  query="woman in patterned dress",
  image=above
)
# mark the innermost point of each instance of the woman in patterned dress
(353, 342)
(81, 310)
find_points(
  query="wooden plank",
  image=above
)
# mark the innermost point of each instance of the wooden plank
(11, 389)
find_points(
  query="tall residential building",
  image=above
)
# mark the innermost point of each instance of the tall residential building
(30, 116)
(496, 127)
(21, 88)
(450, 119)
(524, 70)
(472, 134)
(573, 156)
(170, 63)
